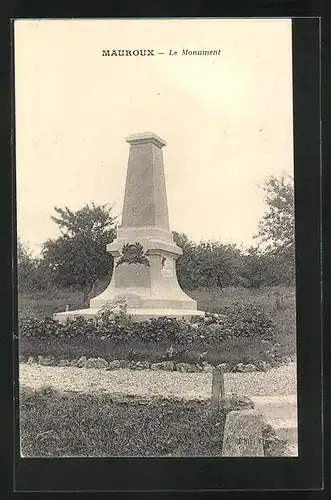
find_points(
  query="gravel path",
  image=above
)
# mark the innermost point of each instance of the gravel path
(278, 381)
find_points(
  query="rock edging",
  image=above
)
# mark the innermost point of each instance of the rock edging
(101, 363)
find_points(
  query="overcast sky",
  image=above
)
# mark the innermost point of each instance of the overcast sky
(227, 119)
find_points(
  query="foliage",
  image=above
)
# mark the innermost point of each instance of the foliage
(116, 308)
(78, 257)
(277, 229)
(25, 266)
(133, 254)
(273, 445)
(242, 321)
(31, 272)
(44, 328)
(278, 303)
(277, 226)
(259, 269)
(214, 264)
(207, 264)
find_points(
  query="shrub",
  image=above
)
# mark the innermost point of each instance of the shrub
(34, 327)
(244, 321)
(164, 329)
(248, 320)
(241, 320)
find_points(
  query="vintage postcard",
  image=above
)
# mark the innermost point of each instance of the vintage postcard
(155, 238)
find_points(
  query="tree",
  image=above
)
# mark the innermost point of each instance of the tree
(181, 239)
(258, 268)
(277, 227)
(25, 267)
(207, 264)
(186, 264)
(78, 257)
(32, 274)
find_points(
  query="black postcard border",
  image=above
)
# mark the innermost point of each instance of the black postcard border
(195, 474)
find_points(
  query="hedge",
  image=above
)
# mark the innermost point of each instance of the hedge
(242, 321)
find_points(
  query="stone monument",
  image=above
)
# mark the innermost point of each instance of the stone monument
(144, 272)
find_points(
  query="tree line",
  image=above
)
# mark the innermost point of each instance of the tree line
(77, 258)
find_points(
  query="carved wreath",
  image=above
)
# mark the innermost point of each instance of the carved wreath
(133, 253)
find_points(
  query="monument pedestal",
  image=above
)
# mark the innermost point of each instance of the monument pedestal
(144, 252)
(135, 314)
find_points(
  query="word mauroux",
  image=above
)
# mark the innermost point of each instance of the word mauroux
(153, 52)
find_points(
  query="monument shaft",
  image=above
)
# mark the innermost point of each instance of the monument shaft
(145, 199)
(148, 284)
(144, 271)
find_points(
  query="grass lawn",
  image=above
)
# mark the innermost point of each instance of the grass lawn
(233, 351)
(71, 424)
(55, 424)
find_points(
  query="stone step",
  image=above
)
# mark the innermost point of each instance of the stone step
(281, 413)
(277, 407)
(286, 429)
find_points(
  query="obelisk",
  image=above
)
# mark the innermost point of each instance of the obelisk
(144, 271)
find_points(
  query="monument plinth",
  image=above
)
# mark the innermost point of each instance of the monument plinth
(144, 251)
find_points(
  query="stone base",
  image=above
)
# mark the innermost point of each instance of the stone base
(85, 313)
(145, 297)
(136, 314)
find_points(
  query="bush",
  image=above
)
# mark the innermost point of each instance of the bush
(34, 327)
(237, 337)
(243, 321)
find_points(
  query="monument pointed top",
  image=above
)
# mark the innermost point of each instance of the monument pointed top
(146, 137)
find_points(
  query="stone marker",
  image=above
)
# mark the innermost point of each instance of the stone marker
(218, 389)
(144, 251)
(243, 434)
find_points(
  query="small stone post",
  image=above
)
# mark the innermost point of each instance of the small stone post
(218, 390)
